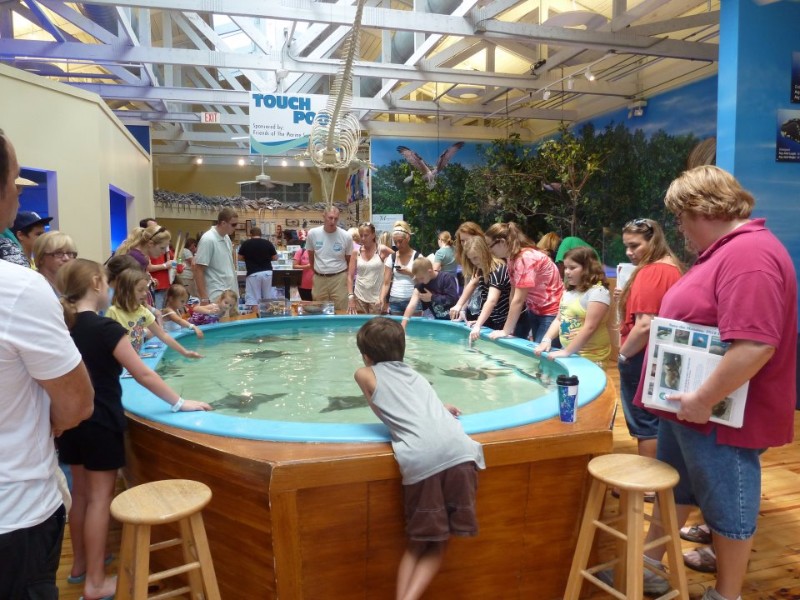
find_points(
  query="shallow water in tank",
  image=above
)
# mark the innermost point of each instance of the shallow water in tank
(299, 371)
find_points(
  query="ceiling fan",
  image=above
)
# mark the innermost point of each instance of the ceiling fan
(264, 179)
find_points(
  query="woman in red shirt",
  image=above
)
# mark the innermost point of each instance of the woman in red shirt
(657, 269)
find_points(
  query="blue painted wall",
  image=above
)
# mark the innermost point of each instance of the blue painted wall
(756, 46)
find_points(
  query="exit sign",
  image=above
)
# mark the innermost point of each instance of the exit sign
(210, 117)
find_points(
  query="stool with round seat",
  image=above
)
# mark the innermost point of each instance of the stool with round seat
(633, 476)
(158, 503)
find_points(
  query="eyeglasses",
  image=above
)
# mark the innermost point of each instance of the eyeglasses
(367, 224)
(639, 223)
(497, 241)
(62, 254)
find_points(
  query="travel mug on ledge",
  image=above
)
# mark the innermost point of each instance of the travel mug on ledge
(567, 398)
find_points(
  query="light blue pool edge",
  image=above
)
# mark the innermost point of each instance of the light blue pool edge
(142, 403)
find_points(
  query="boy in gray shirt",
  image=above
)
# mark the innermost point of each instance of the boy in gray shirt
(437, 460)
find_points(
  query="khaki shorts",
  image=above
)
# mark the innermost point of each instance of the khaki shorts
(333, 288)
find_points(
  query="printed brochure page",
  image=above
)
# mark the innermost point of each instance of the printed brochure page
(680, 357)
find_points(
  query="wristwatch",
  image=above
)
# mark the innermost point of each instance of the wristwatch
(622, 358)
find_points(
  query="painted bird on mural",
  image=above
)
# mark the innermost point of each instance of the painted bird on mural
(428, 174)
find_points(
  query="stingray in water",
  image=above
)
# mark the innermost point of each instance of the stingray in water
(245, 402)
(344, 403)
(468, 372)
(262, 354)
(422, 367)
(264, 339)
(169, 369)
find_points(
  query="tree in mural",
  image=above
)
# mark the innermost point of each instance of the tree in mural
(388, 191)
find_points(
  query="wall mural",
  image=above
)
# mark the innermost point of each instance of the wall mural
(628, 162)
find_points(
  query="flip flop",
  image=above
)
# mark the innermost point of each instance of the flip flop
(699, 534)
(111, 597)
(705, 561)
(75, 579)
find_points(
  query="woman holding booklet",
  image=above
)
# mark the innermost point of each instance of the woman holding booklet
(744, 284)
(656, 270)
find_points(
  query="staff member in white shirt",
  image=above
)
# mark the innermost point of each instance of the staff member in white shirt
(329, 249)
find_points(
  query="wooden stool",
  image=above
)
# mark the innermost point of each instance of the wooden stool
(158, 503)
(632, 475)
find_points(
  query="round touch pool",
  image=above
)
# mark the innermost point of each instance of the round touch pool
(291, 379)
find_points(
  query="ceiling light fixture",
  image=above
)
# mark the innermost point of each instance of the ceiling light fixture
(241, 162)
(570, 83)
(546, 94)
(589, 75)
(302, 163)
(198, 160)
(284, 163)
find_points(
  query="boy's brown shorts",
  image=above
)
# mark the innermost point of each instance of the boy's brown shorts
(442, 505)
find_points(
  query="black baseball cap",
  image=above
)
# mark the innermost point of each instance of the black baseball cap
(28, 218)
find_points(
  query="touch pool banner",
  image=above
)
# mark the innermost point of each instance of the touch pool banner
(280, 123)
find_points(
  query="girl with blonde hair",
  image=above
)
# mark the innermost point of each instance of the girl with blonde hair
(366, 273)
(398, 280)
(537, 287)
(147, 244)
(95, 449)
(488, 278)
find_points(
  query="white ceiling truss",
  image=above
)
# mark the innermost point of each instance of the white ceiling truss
(473, 69)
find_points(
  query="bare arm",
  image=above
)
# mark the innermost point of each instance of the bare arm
(176, 318)
(311, 259)
(515, 308)
(351, 277)
(387, 285)
(146, 377)
(491, 301)
(157, 331)
(71, 398)
(595, 313)
(638, 336)
(549, 336)
(412, 306)
(365, 378)
(469, 289)
(741, 362)
(200, 282)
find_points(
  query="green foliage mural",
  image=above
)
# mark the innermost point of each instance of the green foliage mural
(587, 183)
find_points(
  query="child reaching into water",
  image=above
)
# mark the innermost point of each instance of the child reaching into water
(95, 448)
(224, 306)
(174, 311)
(437, 460)
(129, 311)
(583, 312)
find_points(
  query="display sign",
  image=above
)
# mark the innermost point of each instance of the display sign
(280, 123)
(210, 117)
(788, 139)
(795, 96)
(385, 222)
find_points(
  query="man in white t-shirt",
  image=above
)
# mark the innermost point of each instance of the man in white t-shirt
(46, 390)
(214, 269)
(329, 249)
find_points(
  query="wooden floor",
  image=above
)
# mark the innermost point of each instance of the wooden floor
(774, 572)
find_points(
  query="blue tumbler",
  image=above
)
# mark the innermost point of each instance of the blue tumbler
(567, 398)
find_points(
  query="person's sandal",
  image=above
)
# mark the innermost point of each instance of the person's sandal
(701, 559)
(698, 534)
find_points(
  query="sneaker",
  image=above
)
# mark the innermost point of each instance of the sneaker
(713, 594)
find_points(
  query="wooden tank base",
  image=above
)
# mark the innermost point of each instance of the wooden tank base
(313, 521)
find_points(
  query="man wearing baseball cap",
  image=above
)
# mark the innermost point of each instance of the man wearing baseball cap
(27, 227)
(10, 248)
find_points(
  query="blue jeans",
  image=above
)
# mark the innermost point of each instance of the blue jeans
(397, 306)
(535, 325)
(724, 481)
(642, 424)
(29, 560)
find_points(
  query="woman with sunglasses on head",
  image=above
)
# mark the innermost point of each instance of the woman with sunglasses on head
(146, 244)
(366, 273)
(656, 270)
(536, 285)
(398, 281)
(51, 251)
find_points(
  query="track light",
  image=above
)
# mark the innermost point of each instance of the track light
(198, 160)
(546, 94)
(284, 162)
(589, 75)
(241, 162)
(302, 163)
(570, 83)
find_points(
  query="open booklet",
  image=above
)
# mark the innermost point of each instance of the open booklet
(680, 357)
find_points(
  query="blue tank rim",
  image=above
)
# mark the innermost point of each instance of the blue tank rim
(143, 403)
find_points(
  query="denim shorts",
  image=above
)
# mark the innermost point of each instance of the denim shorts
(536, 326)
(397, 306)
(642, 425)
(724, 481)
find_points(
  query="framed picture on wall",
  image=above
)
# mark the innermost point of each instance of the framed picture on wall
(248, 225)
(292, 222)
